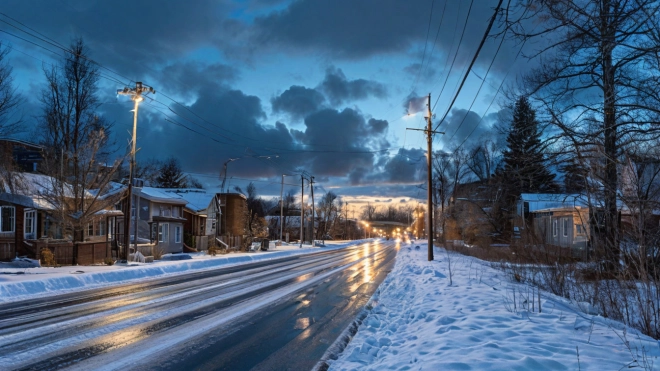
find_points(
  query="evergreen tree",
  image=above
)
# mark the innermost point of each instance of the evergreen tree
(575, 175)
(171, 175)
(524, 168)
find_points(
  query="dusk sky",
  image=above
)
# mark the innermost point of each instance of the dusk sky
(316, 85)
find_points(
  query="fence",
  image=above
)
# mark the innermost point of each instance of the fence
(234, 242)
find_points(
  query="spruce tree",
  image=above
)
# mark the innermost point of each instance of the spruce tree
(171, 175)
(524, 168)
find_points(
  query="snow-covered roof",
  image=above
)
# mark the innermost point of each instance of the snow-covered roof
(543, 201)
(197, 200)
(159, 195)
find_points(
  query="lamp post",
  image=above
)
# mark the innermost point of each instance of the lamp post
(136, 95)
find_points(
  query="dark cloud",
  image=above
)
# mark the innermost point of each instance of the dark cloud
(339, 89)
(196, 75)
(298, 102)
(344, 28)
(415, 71)
(350, 135)
(407, 166)
(461, 124)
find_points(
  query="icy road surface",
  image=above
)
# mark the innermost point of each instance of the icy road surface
(275, 314)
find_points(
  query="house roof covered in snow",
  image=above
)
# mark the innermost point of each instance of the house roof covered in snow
(197, 200)
(544, 201)
(159, 195)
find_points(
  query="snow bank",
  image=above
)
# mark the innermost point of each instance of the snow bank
(19, 284)
(417, 320)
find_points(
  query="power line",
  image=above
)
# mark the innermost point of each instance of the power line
(54, 43)
(428, 30)
(476, 54)
(480, 87)
(494, 96)
(442, 18)
(460, 41)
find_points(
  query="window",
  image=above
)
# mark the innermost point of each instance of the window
(565, 226)
(96, 228)
(30, 230)
(177, 234)
(176, 211)
(163, 232)
(554, 228)
(7, 218)
(166, 210)
(579, 229)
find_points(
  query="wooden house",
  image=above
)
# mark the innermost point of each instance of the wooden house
(201, 212)
(29, 223)
(160, 219)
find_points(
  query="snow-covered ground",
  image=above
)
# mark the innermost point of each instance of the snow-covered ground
(23, 283)
(418, 321)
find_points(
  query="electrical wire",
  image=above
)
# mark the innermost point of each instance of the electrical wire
(460, 41)
(476, 54)
(483, 81)
(428, 30)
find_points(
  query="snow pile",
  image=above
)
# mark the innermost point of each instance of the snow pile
(417, 320)
(18, 284)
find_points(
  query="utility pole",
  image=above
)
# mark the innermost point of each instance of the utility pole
(282, 209)
(302, 207)
(311, 187)
(429, 160)
(136, 95)
(346, 222)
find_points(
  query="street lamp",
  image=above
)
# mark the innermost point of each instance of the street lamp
(136, 95)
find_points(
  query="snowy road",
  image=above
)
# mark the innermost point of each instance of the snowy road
(253, 316)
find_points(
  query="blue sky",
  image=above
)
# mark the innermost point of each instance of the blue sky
(316, 85)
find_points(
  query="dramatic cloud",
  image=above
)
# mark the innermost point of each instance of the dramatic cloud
(463, 126)
(348, 137)
(298, 102)
(339, 89)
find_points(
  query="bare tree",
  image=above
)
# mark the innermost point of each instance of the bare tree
(451, 169)
(328, 211)
(598, 61)
(9, 99)
(483, 160)
(76, 140)
(368, 212)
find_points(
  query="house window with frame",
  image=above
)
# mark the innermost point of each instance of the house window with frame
(565, 227)
(30, 229)
(96, 228)
(7, 218)
(177, 234)
(579, 229)
(166, 210)
(554, 228)
(163, 232)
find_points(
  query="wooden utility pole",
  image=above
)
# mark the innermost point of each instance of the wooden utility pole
(302, 207)
(311, 188)
(136, 95)
(429, 161)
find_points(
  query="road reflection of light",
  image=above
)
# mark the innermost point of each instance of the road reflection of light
(367, 271)
(301, 323)
(304, 277)
(306, 302)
